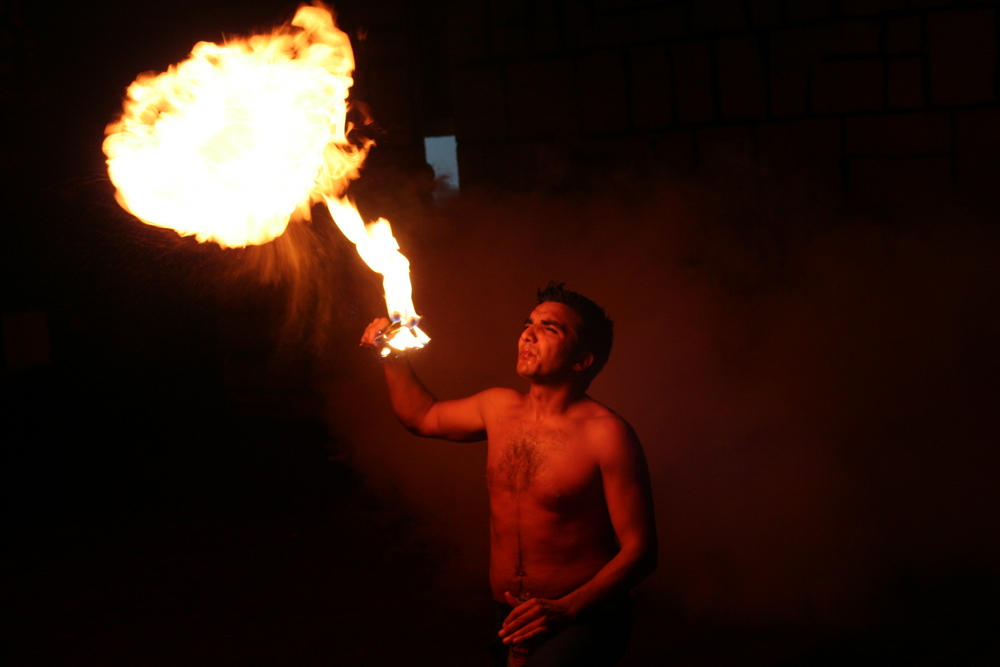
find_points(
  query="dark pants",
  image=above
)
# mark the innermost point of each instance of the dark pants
(597, 638)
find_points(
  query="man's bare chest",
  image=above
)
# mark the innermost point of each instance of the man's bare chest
(549, 463)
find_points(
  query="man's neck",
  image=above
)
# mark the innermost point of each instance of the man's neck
(553, 400)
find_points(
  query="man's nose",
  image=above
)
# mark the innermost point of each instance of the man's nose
(528, 334)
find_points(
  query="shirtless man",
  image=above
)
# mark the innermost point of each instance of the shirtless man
(571, 513)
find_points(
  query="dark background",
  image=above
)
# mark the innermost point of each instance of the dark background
(789, 208)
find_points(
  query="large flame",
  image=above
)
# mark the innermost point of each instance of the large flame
(240, 138)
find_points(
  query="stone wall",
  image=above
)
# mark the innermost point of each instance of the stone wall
(869, 101)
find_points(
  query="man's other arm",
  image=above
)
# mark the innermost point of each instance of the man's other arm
(417, 408)
(628, 493)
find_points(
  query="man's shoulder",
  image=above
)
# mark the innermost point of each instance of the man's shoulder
(606, 428)
(498, 397)
(602, 416)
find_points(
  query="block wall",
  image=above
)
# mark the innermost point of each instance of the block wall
(869, 101)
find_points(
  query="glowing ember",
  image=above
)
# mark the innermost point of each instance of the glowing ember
(233, 143)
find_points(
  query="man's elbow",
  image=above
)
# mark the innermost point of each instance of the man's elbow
(416, 426)
(644, 558)
(649, 561)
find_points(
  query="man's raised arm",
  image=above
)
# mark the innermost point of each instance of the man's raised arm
(417, 408)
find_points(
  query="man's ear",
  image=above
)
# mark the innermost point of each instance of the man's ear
(584, 362)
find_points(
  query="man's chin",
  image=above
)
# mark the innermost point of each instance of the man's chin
(526, 370)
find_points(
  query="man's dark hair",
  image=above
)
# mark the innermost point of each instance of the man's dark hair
(596, 330)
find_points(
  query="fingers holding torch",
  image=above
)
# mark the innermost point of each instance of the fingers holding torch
(372, 337)
(392, 337)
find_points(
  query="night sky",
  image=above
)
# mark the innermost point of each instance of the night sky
(815, 386)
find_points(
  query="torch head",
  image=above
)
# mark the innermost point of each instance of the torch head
(398, 338)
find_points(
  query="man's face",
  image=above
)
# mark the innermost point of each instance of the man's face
(548, 348)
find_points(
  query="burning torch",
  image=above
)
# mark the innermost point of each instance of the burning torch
(243, 137)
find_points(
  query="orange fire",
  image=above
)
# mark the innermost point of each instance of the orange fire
(243, 137)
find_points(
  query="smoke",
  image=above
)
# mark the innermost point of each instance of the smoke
(812, 387)
(815, 388)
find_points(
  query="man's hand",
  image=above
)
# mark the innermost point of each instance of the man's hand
(533, 620)
(368, 338)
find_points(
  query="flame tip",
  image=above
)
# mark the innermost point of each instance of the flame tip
(233, 143)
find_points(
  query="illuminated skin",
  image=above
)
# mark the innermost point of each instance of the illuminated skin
(571, 513)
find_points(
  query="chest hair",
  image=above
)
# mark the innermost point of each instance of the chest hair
(524, 456)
